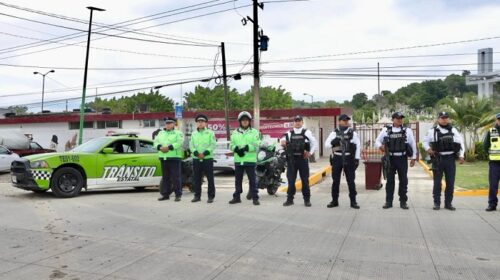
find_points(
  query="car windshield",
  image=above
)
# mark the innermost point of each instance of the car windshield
(91, 146)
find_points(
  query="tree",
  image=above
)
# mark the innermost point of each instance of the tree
(270, 98)
(468, 114)
(359, 100)
(204, 98)
(19, 110)
(152, 101)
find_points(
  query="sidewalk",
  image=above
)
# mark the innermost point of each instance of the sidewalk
(129, 235)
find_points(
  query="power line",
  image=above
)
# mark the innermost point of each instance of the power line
(73, 35)
(111, 68)
(106, 85)
(390, 49)
(121, 24)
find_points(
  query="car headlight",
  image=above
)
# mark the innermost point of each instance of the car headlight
(39, 164)
(261, 155)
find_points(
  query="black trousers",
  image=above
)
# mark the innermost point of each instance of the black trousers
(171, 177)
(399, 164)
(302, 166)
(448, 168)
(350, 175)
(239, 171)
(494, 177)
(200, 168)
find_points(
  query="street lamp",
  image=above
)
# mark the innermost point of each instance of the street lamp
(312, 98)
(43, 83)
(82, 106)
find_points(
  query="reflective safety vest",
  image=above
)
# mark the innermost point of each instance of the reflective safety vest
(494, 145)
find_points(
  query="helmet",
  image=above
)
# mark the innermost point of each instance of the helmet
(244, 114)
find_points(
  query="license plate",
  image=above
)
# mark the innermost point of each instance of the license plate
(14, 179)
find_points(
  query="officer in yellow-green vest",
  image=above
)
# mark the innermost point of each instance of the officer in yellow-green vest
(202, 145)
(245, 142)
(492, 146)
(169, 144)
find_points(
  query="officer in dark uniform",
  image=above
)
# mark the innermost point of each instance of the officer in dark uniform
(345, 146)
(400, 143)
(444, 143)
(492, 146)
(300, 144)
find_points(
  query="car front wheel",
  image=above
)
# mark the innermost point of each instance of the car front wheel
(67, 182)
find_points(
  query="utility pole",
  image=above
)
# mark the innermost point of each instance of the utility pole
(256, 74)
(43, 83)
(378, 77)
(226, 94)
(82, 106)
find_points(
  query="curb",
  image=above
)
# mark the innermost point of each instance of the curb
(313, 179)
(459, 192)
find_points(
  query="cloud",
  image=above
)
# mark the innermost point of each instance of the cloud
(296, 29)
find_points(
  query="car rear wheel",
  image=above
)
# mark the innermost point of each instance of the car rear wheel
(67, 182)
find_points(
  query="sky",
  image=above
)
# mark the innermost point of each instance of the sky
(403, 36)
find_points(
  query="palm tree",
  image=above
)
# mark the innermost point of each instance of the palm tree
(469, 115)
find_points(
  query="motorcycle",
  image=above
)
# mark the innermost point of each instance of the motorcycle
(271, 163)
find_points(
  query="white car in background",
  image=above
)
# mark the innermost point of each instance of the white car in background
(223, 156)
(6, 158)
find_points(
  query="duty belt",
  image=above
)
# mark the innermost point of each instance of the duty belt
(446, 153)
(340, 154)
(399, 154)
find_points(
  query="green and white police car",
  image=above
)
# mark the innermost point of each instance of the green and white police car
(106, 162)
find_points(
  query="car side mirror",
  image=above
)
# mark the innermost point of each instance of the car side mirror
(107, 150)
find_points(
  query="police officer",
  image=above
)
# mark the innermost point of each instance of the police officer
(245, 142)
(492, 146)
(400, 143)
(345, 146)
(300, 145)
(202, 145)
(443, 143)
(169, 145)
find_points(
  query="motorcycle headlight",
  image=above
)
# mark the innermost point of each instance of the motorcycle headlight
(261, 155)
(39, 164)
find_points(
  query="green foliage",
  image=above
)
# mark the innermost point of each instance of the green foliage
(204, 98)
(481, 154)
(19, 110)
(154, 101)
(421, 150)
(359, 100)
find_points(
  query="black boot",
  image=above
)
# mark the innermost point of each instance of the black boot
(307, 203)
(333, 203)
(288, 202)
(436, 206)
(256, 201)
(210, 200)
(491, 208)
(163, 198)
(354, 205)
(387, 205)
(196, 199)
(177, 199)
(404, 206)
(235, 200)
(450, 207)
(249, 195)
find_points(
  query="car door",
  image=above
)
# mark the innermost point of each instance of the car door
(148, 158)
(4, 159)
(120, 168)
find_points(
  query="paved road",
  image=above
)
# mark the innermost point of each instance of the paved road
(129, 235)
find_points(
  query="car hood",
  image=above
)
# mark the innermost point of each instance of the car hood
(45, 156)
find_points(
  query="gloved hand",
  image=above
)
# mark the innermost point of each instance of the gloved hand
(246, 148)
(239, 152)
(335, 142)
(356, 164)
